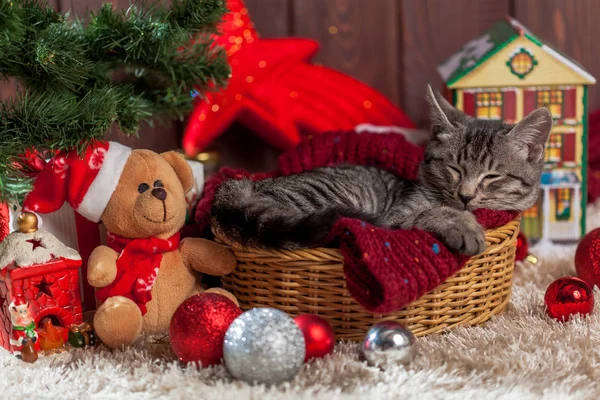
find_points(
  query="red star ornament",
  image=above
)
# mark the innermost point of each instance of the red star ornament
(275, 91)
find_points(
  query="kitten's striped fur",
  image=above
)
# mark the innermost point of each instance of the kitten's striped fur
(468, 164)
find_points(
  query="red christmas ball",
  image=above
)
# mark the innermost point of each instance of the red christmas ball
(522, 247)
(587, 258)
(318, 335)
(198, 328)
(567, 296)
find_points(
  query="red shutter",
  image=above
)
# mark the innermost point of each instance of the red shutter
(469, 103)
(510, 107)
(529, 101)
(569, 147)
(569, 103)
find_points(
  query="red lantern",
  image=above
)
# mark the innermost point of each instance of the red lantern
(567, 296)
(587, 258)
(198, 328)
(39, 279)
(318, 335)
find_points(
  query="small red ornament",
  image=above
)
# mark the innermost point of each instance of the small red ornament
(318, 335)
(198, 328)
(587, 258)
(567, 296)
(522, 247)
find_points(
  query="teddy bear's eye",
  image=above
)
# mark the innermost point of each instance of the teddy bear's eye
(158, 184)
(143, 187)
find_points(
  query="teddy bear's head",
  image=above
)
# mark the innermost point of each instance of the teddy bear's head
(149, 199)
(136, 193)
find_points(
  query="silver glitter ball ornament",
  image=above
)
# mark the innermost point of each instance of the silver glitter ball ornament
(264, 345)
(389, 342)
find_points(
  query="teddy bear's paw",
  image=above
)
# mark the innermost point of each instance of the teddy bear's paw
(223, 292)
(102, 266)
(118, 322)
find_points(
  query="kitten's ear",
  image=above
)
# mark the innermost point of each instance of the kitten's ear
(529, 136)
(442, 114)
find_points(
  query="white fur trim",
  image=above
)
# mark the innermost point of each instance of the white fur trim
(380, 129)
(415, 136)
(96, 198)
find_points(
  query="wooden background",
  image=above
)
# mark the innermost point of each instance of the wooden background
(393, 45)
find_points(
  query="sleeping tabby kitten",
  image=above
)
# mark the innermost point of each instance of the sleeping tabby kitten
(468, 164)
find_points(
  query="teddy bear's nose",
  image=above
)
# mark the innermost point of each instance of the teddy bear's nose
(159, 193)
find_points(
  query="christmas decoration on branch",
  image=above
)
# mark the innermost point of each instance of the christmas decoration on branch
(82, 75)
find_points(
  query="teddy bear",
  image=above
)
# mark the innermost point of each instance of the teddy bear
(145, 271)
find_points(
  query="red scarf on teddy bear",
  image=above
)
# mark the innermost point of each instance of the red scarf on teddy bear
(137, 267)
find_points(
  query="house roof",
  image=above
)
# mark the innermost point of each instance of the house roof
(30, 249)
(490, 42)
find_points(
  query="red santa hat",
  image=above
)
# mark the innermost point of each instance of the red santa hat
(85, 181)
(19, 300)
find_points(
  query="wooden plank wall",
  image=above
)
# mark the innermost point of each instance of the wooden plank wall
(393, 45)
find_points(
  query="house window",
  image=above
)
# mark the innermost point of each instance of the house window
(554, 148)
(553, 99)
(563, 204)
(521, 63)
(488, 105)
(533, 212)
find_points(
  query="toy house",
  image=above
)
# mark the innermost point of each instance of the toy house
(506, 73)
(41, 274)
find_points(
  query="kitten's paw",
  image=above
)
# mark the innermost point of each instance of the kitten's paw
(464, 235)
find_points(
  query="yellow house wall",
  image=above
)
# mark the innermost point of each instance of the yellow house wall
(580, 104)
(495, 73)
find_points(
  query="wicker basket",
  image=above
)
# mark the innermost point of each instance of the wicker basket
(312, 281)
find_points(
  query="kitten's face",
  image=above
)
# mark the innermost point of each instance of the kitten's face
(472, 163)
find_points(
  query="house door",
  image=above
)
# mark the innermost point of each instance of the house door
(565, 212)
(531, 221)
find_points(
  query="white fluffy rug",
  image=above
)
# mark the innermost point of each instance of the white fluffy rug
(519, 355)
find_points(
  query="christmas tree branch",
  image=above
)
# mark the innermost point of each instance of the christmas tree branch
(116, 66)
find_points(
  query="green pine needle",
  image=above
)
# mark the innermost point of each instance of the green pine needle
(79, 76)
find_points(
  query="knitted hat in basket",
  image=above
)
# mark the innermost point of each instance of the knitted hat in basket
(85, 181)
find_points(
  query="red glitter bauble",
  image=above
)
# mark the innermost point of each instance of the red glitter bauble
(522, 247)
(198, 328)
(318, 335)
(587, 258)
(567, 296)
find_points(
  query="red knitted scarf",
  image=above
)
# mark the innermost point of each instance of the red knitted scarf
(385, 269)
(137, 267)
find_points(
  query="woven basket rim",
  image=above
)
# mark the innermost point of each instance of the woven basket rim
(334, 252)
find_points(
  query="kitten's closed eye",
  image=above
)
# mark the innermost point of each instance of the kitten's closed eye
(455, 172)
(489, 178)
(492, 177)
